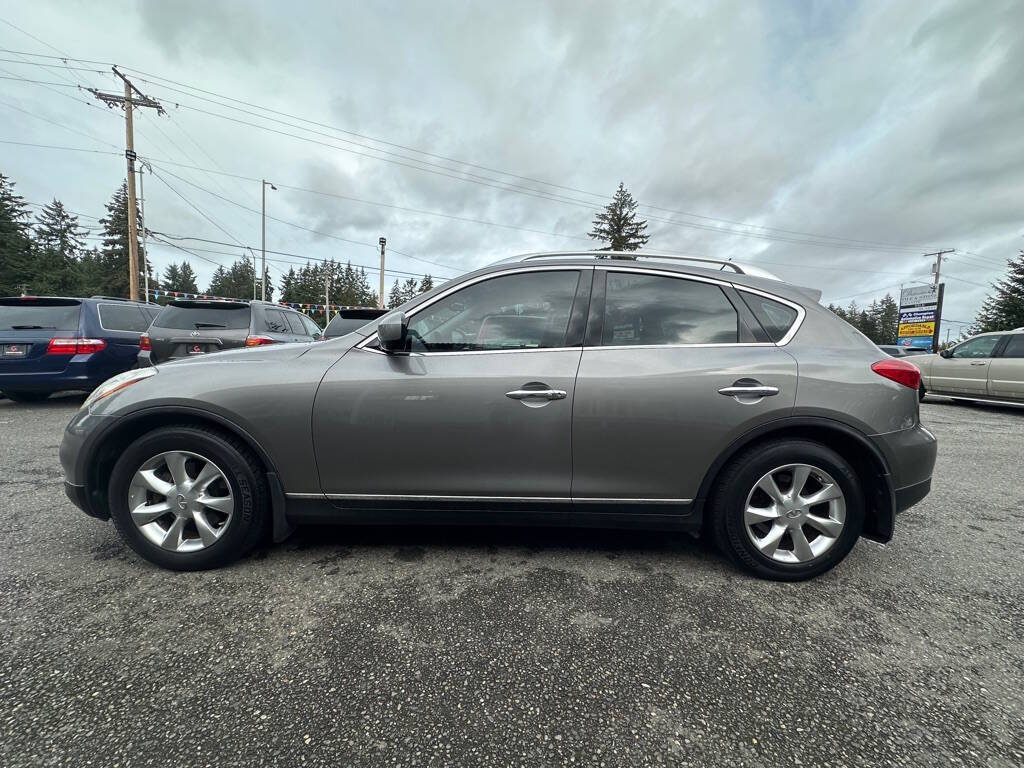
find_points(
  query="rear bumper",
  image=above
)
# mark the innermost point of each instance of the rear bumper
(909, 496)
(145, 360)
(910, 454)
(84, 372)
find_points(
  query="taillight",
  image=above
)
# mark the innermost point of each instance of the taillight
(900, 371)
(144, 345)
(75, 346)
(258, 341)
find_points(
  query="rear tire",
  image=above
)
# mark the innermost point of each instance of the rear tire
(26, 397)
(218, 520)
(783, 537)
(921, 392)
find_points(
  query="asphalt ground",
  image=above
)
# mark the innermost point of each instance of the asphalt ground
(529, 647)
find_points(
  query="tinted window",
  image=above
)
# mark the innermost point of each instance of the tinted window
(775, 317)
(525, 311)
(979, 347)
(295, 324)
(339, 326)
(312, 328)
(651, 309)
(274, 321)
(58, 315)
(1015, 346)
(122, 317)
(203, 316)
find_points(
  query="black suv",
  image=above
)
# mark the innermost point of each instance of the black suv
(199, 327)
(350, 319)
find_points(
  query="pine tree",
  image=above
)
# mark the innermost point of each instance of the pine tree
(172, 277)
(1003, 309)
(15, 241)
(187, 278)
(618, 225)
(110, 275)
(395, 298)
(236, 281)
(888, 321)
(59, 245)
(426, 284)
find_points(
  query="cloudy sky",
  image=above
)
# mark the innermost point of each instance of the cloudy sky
(832, 143)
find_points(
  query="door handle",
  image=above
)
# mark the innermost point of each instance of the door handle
(980, 362)
(748, 391)
(536, 394)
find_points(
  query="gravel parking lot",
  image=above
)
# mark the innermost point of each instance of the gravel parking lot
(516, 647)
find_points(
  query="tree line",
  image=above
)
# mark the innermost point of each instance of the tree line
(48, 253)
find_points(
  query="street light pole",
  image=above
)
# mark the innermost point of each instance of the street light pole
(263, 238)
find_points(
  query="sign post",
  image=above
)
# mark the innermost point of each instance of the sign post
(920, 309)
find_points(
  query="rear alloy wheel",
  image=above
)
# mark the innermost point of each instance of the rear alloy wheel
(788, 510)
(26, 397)
(189, 498)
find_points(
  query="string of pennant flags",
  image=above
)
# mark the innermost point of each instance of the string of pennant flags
(291, 304)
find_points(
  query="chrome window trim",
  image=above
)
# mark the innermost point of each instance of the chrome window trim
(662, 273)
(717, 345)
(801, 313)
(519, 269)
(431, 497)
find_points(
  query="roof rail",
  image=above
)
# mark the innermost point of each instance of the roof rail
(116, 298)
(722, 264)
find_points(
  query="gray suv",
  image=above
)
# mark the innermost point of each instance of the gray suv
(620, 390)
(197, 327)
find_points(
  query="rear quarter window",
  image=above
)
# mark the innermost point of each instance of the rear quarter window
(45, 314)
(273, 320)
(775, 317)
(122, 317)
(205, 316)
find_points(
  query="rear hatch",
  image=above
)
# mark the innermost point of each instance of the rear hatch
(194, 328)
(27, 323)
(348, 320)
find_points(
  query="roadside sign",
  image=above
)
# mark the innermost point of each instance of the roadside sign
(919, 316)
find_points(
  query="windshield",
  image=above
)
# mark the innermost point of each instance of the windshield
(39, 314)
(197, 316)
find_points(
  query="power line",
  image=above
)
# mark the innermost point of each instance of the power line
(59, 125)
(55, 146)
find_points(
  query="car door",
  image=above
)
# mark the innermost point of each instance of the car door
(481, 407)
(966, 370)
(672, 372)
(1006, 371)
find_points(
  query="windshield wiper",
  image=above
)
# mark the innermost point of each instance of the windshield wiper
(209, 325)
(33, 327)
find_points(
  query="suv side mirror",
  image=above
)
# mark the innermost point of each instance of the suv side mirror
(392, 331)
(946, 353)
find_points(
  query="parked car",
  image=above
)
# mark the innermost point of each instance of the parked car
(894, 350)
(352, 319)
(53, 343)
(559, 389)
(987, 367)
(194, 327)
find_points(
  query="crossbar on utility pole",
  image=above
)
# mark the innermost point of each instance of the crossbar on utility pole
(938, 262)
(129, 102)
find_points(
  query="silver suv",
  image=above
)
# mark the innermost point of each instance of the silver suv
(622, 390)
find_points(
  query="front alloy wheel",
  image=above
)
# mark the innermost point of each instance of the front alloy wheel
(181, 501)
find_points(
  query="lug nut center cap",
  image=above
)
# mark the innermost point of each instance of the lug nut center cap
(182, 503)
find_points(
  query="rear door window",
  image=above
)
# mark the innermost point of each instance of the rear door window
(1015, 346)
(295, 324)
(643, 309)
(122, 317)
(775, 317)
(275, 322)
(983, 346)
(39, 314)
(311, 327)
(199, 316)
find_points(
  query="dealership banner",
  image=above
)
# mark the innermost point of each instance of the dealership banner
(919, 315)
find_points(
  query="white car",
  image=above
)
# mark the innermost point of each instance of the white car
(987, 367)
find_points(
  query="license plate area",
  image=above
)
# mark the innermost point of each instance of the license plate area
(14, 350)
(196, 349)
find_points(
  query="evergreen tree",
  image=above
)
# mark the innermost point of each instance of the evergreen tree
(409, 289)
(888, 321)
(1003, 309)
(426, 284)
(15, 242)
(236, 281)
(109, 274)
(187, 278)
(172, 277)
(618, 225)
(59, 245)
(395, 298)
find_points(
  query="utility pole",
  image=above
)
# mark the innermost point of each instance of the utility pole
(129, 102)
(937, 269)
(142, 205)
(380, 299)
(327, 295)
(253, 273)
(263, 272)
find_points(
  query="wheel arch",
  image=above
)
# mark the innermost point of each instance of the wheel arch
(867, 460)
(109, 445)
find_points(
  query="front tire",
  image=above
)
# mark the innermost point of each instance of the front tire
(787, 510)
(189, 498)
(26, 397)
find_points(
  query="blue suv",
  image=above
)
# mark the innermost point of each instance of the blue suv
(51, 344)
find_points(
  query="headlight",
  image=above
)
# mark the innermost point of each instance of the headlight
(119, 382)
